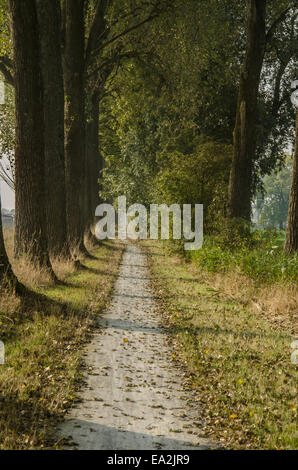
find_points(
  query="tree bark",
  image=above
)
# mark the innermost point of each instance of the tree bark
(52, 74)
(240, 186)
(31, 228)
(75, 123)
(291, 243)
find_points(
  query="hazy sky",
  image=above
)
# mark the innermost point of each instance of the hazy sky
(7, 196)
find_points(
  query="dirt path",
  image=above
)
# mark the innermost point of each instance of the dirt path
(134, 398)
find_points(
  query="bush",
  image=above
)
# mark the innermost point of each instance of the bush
(269, 266)
(259, 256)
(213, 258)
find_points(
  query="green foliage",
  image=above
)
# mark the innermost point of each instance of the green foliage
(276, 114)
(269, 266)
(166, 132)
(7, 123)
(5, 43)
(7, 137)
(200, 177)
(129, 141)
(260, 256)
(191, 178)
(271, 206)
(167, 120)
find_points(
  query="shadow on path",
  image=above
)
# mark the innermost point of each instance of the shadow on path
(120, 324)
(101, 437)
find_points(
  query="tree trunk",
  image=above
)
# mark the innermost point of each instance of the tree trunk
(93, 166)
(75, 124)
(52, 74)
(291, 244)
(31, 228)
(240, 187)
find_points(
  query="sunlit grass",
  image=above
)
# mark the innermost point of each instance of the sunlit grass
(264, 264)
(239, 362)
(43, 346)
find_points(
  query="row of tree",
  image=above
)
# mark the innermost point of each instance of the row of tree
(198, 87)
(62, 53)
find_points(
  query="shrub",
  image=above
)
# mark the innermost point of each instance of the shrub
(259, 256)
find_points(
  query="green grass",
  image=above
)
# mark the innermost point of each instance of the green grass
(266, 266)
(260, 256)
(43, 346)
(237, 361)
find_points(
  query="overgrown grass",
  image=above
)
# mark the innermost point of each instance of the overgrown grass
(261, 258)
(43, 343)
(238, 360)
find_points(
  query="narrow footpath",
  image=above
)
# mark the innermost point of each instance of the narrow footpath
(134, 397)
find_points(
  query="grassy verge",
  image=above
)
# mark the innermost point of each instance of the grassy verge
(238, 360)
(43, 342)
(261, 258)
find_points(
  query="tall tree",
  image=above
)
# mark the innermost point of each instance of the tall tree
(107, 26)
(52, 74)
(31, 228)
(97, 34)
(94, 164)
(291, 244)
(240, 186)
(74, 69)
(276, 113)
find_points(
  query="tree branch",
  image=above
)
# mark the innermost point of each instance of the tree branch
(114, 61)
(6, 69)
(4, 175)
(98, 30)
(127, 31)
(278, 20)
